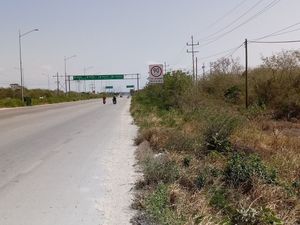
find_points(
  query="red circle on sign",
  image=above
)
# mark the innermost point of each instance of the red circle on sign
(156, 71)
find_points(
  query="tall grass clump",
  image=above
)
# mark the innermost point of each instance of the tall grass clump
(159, 207)
(218, 131)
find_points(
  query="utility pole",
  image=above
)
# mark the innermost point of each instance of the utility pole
(203, 71)
(66, 79)
(193, 53)
(196, 68)
(138, 81)
(246, 71)
(66, 87)
(57, 83)
(165, 67)
(69, 79)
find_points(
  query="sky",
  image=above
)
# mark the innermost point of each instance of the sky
(114, 36)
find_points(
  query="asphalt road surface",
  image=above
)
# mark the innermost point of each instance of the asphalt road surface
(67, 164)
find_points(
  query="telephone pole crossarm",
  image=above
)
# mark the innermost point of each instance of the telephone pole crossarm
(193, 44)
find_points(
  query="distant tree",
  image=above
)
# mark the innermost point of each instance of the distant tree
(282, 63)
(225, 66)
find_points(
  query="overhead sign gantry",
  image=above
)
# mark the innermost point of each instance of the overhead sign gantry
(99, 77)
(128, 76)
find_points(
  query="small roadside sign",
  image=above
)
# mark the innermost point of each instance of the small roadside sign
(109, 87)
(156, 74)
(129, 86)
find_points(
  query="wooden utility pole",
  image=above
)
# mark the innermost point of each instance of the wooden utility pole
(196, 68)
(246, 72)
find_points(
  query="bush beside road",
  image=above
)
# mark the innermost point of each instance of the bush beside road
(207, 160)
(12, 98)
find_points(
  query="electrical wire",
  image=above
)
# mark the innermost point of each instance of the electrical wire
(178, 57)
(275, 42)
(226, 14)
(287, 32)
(210, 37)
(220, 53)
(269, 6)
(226, 56)
(277, 33)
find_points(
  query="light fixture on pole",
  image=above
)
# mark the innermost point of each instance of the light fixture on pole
(21, 66)
(66, 81)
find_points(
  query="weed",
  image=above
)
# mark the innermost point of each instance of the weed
(249, 216)
(178, 141)
(187, 161)
(232, 94)
(200, 181)
(252, 216)
(219, 199)
(159, 170)
(218, 131)
(158, 206)
(241, 168)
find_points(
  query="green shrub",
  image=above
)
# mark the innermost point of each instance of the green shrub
(232, 94)
(252, 216)
(158, 207)
(241, 169)
(187, 161)
(164, 96)
(267, 216)
(218, 131)
(248, 216)
(8, 102)
(219, 199)
(160, 170)
(201, 181)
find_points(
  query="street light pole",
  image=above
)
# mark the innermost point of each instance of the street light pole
(21, 64)
(66, 81)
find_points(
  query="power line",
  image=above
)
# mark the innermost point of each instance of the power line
(275, 42)
(287, 32)
(269, 6)
(226, 14)
(277, 33)
(220, 53)
(210, 37)
(179, 56)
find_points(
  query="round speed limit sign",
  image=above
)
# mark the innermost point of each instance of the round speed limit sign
(156, 71)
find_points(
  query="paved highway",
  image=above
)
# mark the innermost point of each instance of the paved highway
(67, 164)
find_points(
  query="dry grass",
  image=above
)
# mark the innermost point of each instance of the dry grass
(275, 145)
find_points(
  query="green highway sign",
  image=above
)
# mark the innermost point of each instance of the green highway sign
(109, 87)
(99, 77)
(129, 86)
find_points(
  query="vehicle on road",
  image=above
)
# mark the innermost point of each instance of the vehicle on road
(114, 100)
